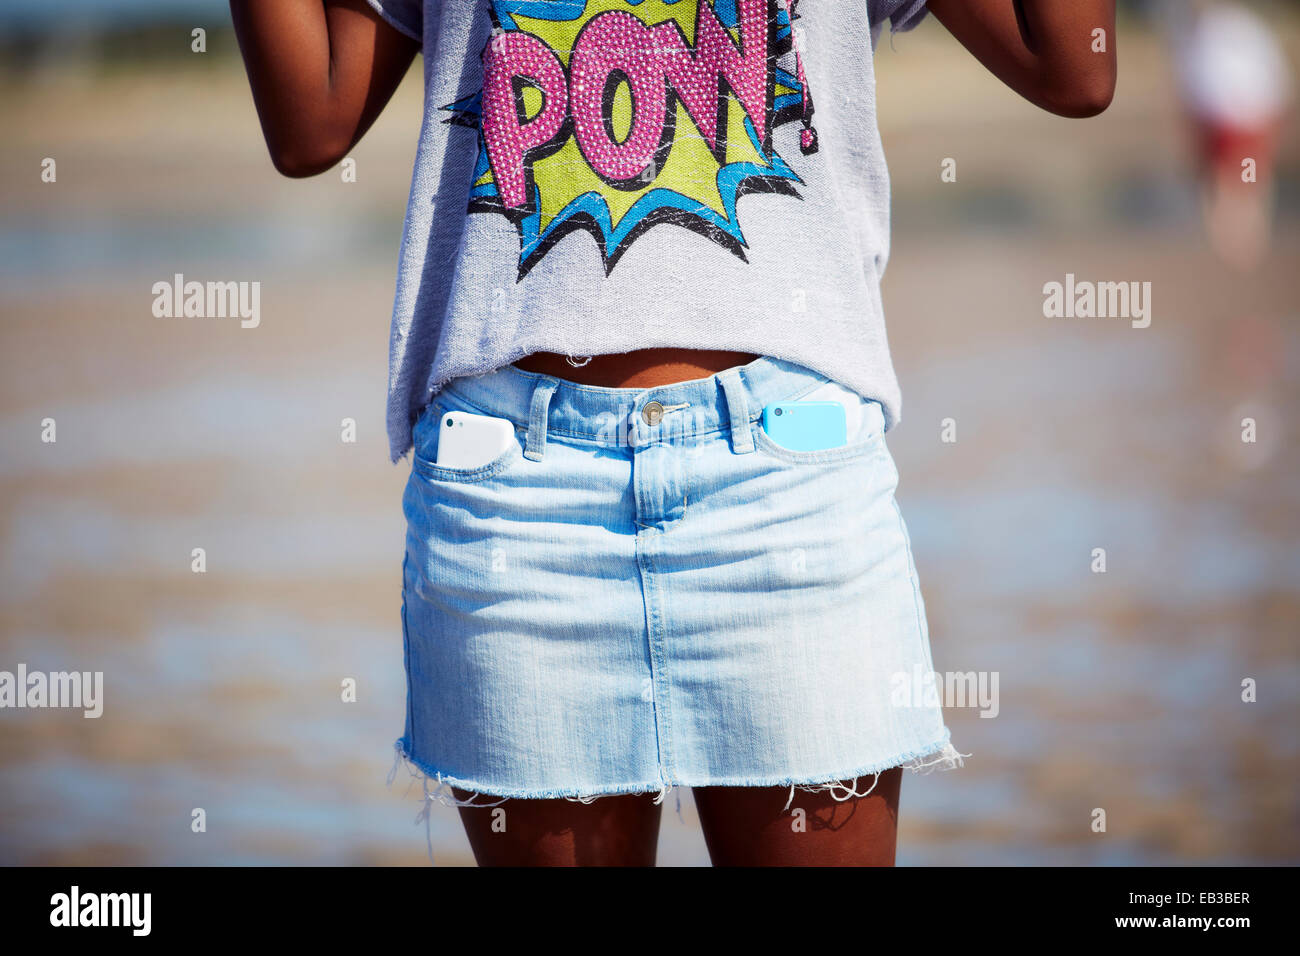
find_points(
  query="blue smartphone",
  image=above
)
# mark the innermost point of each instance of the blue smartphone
(806, 426)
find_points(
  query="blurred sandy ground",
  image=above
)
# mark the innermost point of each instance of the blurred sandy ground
(1119, 691)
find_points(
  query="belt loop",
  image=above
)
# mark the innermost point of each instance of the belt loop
(742, 439)
(537, 414)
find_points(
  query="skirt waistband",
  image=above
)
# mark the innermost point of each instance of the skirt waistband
(729, 399)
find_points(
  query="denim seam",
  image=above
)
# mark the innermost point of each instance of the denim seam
(685, 463)
(658, 667)
(828, 456)
(922, 632)
(669, 764)
(468, 476)
(592, 439)
(408, 732)
(839, 455)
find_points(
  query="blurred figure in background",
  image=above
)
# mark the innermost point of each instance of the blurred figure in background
(1235, 85)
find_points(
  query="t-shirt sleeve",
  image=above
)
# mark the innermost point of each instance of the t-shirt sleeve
(405, 16)
(901, 14)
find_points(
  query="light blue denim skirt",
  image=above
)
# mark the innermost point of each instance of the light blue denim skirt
(637, 596)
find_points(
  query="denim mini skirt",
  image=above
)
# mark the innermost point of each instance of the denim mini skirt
(646, 591)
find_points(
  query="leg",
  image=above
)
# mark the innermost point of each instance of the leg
(746, 826)
(620, 830)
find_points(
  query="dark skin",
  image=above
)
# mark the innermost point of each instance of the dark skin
(320, 75)
(743, 826)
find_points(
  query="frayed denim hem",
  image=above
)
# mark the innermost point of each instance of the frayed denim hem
(940, 755)
(441, 791)
(442, 784)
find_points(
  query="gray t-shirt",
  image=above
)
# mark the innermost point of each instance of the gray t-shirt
(597, 176)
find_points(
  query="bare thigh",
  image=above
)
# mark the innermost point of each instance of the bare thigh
(748, 826)
(618, 830)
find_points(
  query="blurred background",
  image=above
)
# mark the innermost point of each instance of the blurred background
(1120, 691)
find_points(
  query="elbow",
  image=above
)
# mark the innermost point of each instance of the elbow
(303, 157)
(1089, 102)
(1087, 97)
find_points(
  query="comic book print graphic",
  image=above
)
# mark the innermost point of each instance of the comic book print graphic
(613, 116)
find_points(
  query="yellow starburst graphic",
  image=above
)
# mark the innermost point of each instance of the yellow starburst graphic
(687, 181)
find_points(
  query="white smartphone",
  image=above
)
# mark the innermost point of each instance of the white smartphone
(471, 441)
(853, 404)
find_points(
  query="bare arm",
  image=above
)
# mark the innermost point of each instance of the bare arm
(321, 72)
(1042, 49)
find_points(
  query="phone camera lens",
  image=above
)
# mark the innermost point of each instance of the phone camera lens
(780, 411)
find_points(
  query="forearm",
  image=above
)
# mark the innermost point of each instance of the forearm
(1045, 50)
(320, 73)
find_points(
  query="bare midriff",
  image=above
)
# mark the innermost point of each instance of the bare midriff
(643, 368)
